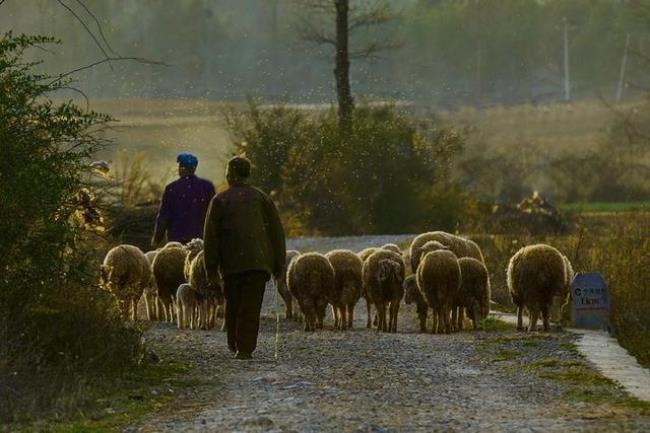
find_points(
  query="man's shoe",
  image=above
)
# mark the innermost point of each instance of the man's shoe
(243, 355)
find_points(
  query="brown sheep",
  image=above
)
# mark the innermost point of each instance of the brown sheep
(535, 274)
(149, 295)
(125, 273)
(168, 271)
(310, 278)
(474, 294)
(383, 276)
(347, 286)
(439, 278)
(412, 295)
(193, 247)
(461, 247)
(392, 247)
(283, 288)
(210, 296)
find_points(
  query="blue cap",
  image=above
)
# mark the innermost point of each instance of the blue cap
(187, 160)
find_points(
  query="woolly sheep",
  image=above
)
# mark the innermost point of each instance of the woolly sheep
(461, 247)
(125, 273)
(535, 274)
(173, 244)
(210, 298)
(186, 303)
(193, 247)
(438, 278)
(311, 281)
(383, 276)
(168, 271)
(412, 295)
(347, 286)
(392, 247)
(283, 289)
(474, 294)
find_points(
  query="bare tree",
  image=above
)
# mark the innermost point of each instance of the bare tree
(349, 16)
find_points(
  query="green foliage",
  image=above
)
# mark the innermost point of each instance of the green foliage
(58, 331)
(389, 175)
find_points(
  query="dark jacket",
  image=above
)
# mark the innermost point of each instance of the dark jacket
(243, 233)
(183, 208)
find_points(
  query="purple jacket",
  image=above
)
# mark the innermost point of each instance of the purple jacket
(183, 208)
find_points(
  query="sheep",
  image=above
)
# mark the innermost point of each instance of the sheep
(412, 295)
(347, 286)
(461, 247)
(392, 247)
(535, 274)
(210, 298)
(173, 244)
(125, 273)
(474, 294)
(438, 278)
(363, 255)
(383, 276)
(283, 289)
(168, 270)
(186, 303)
(406, 256)
(310, 278)
(193, 247)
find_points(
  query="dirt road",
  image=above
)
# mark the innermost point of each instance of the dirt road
(362, 381)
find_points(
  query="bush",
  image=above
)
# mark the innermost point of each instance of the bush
(59, 332)
(390, 174)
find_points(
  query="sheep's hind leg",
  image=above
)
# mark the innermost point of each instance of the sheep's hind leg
(545, 318)
(369, 309)
(350, 308)
(534, 315)
(520, 317)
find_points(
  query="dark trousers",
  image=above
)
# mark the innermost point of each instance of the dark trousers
(244, 294)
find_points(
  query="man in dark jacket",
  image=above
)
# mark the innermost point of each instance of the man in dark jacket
(244, 239)
(184, 204)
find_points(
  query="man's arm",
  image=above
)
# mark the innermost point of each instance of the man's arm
(211, 240)
(162, 219)
(276, 234)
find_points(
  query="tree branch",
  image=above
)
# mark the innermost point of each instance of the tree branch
(99, 27)
(108, 59)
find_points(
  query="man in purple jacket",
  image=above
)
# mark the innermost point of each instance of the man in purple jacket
(184, 204)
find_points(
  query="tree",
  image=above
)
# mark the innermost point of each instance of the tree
(348, 19)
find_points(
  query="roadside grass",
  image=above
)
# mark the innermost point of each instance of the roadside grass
(604, 207)
(143, 392)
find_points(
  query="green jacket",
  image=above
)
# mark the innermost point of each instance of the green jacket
(243, 233)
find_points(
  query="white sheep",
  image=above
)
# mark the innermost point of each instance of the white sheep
(126, 274)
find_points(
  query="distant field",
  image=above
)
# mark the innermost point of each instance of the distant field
(555, 128)
(162, 128)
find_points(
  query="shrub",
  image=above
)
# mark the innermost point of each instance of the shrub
(59, 333)
(390, 174)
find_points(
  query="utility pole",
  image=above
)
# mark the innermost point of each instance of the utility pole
(567, 79)
(621, 78)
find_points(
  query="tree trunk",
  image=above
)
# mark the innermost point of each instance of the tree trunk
(342, 69)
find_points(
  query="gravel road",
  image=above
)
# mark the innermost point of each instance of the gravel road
(362, 381)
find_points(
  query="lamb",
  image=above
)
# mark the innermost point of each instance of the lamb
(412, 295)
(461, 247)
(209, 294)
(474, 294)
(283, 289)
(186, 303)
(347, 286)
(125, 273)
(535, 274)
(438, 278)
(383, 276)
(168, 271)
(310, 278)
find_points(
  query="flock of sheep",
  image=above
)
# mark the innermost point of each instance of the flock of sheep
(440, 271)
